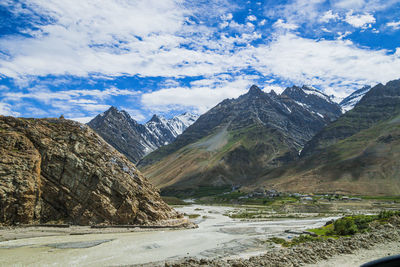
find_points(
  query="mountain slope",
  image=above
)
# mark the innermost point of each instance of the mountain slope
(60, 171)
(135, 140)
(357, 154)
(235, 142)
(367, 163)
(379, 103)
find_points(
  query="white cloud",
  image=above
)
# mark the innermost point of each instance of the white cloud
(342, 35)
(394, 24)
(276, 88)
(135, 113)
(296, 12)
(251, 18)
(359, 20)
(227, 16)
(202, 95)
(350, 3)
(73, 96)
(82, 119)
(5, 110)
(287, 26)
(107, 37)
(365, 5)
(326, 64)
(328, 16)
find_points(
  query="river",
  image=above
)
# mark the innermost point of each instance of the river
(217, 236)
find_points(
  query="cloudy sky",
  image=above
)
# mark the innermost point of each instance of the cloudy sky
(79, 57)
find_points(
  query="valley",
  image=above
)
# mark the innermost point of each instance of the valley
(182, 133)
(220, 236)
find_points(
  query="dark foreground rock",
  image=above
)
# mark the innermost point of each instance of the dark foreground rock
(307, 253)
(60, 171)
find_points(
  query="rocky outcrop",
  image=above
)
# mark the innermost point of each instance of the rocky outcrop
(60, 171)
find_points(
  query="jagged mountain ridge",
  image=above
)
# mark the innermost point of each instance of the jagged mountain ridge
(238, 140)
(136, 140)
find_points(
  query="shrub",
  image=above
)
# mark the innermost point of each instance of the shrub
(345, 226)
(353, 224)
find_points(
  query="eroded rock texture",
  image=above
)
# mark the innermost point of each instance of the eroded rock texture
(55, 170)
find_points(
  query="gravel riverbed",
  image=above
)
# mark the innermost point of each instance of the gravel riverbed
(382, 241)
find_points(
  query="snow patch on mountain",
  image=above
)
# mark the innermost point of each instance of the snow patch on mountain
(309, 90)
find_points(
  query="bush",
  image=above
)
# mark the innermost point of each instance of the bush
(353, 224)
(345, 226)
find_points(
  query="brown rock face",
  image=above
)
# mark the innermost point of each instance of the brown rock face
(55, 170)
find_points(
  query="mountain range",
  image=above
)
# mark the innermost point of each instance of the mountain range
(241, 139)
(359, 153)
(136, 140)
(299, 140)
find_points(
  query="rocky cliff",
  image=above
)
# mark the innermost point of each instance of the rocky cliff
(60, 171)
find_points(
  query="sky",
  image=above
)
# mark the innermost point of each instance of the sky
(79, 57)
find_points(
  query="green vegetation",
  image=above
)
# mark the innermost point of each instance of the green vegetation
(345, 226)
(323, 231)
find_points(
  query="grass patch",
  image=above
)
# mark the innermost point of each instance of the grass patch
(323, 231)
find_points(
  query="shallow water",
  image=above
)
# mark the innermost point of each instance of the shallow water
(217, 236)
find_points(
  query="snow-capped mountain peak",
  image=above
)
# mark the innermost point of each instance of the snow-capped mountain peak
(170, 129)
(349, 102)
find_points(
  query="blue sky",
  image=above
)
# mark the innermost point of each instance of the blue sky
(79, 57)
